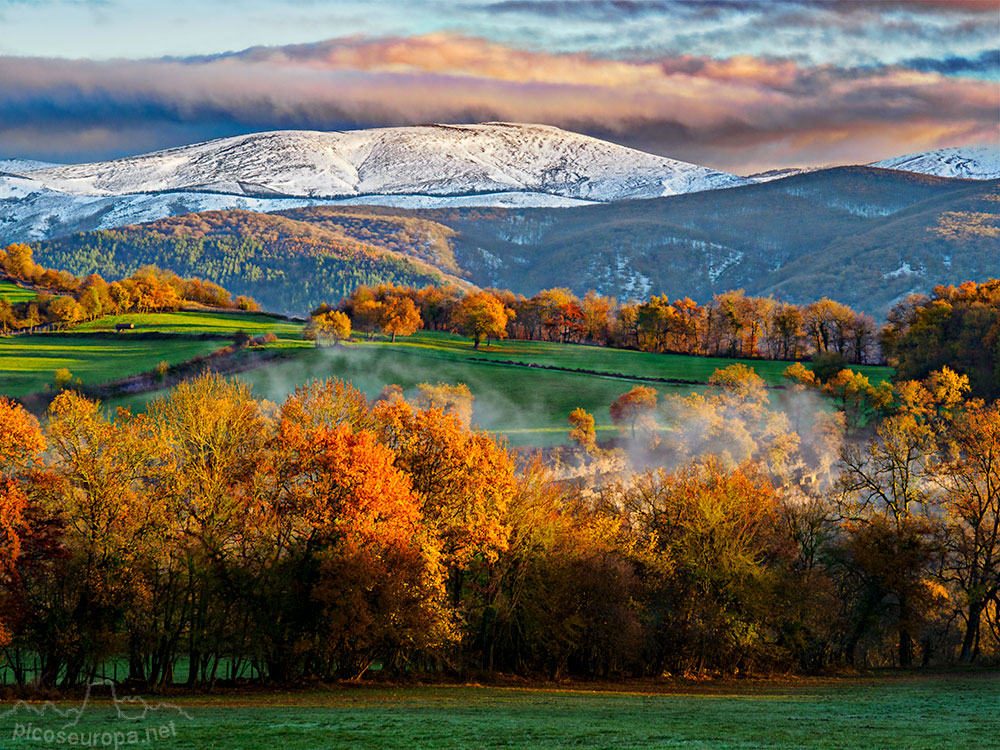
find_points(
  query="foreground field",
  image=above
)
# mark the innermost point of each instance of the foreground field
(28, 363)
(899, 712)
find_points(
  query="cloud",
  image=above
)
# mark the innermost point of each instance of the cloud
(986, 62)
(742, 113)
(619, 8)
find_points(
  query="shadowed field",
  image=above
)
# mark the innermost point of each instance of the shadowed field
(897, 712)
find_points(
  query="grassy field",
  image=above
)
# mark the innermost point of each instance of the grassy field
(14, 293)
(195, 322)
(28, 363)
(529, 405)
(898, 712)
(599, 359)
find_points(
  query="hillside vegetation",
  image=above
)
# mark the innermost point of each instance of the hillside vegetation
(860, 235)
(289, 264)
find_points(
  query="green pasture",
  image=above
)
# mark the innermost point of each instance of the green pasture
(197, 321)
(900, 712)
(28, 363)
(596, 358)
(529, 405)
(14, 293)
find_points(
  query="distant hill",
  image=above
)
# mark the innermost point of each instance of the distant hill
(287, 265)
(862, 235)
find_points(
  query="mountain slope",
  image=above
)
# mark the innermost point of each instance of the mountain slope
(862, 235)
(966, 162)
(428, 160)
(289, 266)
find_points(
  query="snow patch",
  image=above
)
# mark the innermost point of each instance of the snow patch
(967, 162)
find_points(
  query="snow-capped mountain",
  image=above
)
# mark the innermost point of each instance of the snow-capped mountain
(490, 164)
(967, 162)
(780, 174)
(436, 160)
(18, 166)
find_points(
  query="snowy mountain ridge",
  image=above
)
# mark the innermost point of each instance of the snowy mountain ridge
(434, 160)
(966, 162)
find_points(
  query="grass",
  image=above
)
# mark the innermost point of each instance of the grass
(600, 359)
(195, 322)
(899, 712)
(530, 406)
(14, 293)
(28, 363)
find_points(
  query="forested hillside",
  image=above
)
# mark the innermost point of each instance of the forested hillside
(288, 264)
(863, 236)
(860, 235)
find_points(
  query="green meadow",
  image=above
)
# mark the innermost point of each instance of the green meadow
(528, 404)
(595, 358)
(898, 712)
(28, 363)
(199, 321)
(14, 293)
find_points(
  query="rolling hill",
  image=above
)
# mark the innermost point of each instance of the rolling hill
(291, 265)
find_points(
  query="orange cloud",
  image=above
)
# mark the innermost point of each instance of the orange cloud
(741, 113)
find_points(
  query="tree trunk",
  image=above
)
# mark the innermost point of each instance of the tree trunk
(905, 645)
(971, 633)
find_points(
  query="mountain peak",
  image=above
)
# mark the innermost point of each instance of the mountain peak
(428, 160)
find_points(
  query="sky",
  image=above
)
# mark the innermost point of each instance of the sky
(740, 85)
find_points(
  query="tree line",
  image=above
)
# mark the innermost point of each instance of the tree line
(330, 534)
(732, 324)
(64, 299)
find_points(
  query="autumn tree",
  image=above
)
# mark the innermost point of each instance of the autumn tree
(957, 327)
(454, 399)
(399, 316)
(704, 535)
(634, 409)
(582, 431)
(108, 494)
(733, 421)
(358, 548)
(482, 315)
(887, 507)
(21, 443)
(327, 325)
(970, 478)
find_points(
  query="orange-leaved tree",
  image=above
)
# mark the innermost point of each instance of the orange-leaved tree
(635, 408)
(21, 443)
(482, 315)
